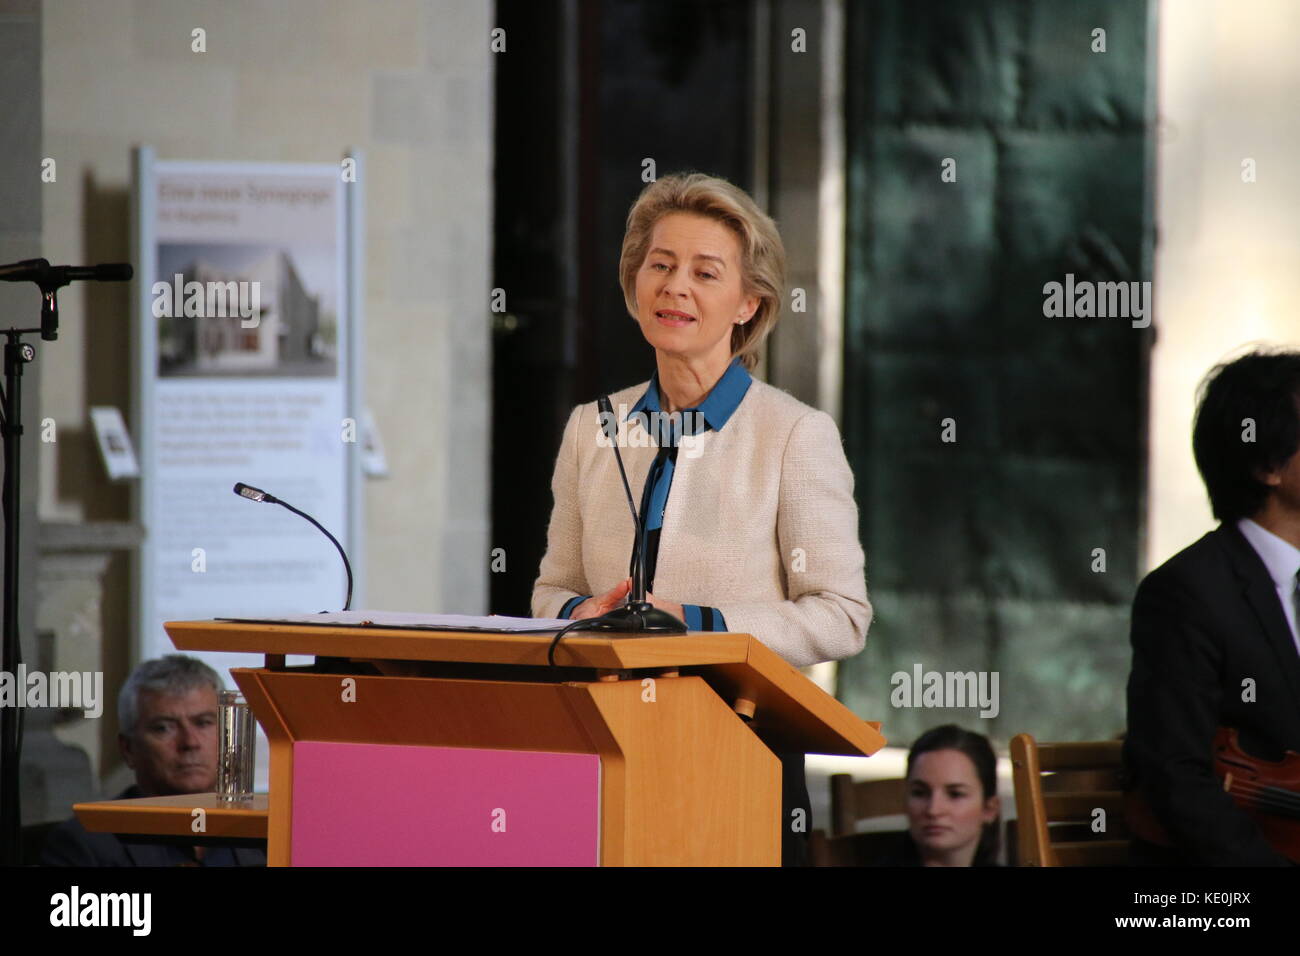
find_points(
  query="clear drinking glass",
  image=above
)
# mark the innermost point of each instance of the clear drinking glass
(235, 748)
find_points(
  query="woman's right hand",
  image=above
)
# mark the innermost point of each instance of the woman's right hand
(602, 603)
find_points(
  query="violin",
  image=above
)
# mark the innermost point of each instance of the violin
(1267, 790)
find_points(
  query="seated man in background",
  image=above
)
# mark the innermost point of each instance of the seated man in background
(167, 713)
(1214, 634)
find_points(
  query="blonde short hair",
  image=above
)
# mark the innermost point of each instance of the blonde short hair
(762, 255)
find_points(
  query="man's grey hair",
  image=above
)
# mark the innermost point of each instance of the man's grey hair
(175, 674)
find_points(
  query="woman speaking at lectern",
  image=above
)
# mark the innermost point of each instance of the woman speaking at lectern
(751, 525)
(746, 496)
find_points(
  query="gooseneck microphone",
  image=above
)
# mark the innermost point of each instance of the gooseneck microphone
(257, 494)
(637, 616)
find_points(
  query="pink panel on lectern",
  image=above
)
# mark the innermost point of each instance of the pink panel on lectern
(386, 805)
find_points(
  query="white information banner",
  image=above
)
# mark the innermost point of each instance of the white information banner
(246, 372)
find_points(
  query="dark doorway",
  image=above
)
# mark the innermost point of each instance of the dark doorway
(586, 92)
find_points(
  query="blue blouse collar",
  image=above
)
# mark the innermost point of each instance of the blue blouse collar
(718, 406)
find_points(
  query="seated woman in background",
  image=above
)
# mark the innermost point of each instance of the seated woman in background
(952, 801)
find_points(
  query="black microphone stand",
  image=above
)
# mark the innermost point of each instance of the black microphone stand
(17, 354)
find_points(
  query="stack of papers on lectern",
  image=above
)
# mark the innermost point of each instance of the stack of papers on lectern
(408, 620)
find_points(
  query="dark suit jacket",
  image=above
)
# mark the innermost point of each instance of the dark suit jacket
(1203, 622)
(71, 844)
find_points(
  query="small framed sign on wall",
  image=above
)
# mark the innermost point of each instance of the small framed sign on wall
(114, 443)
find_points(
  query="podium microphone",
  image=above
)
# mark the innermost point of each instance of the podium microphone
(257, 494)
(637, 616)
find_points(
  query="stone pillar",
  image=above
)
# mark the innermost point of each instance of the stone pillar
(64, 751)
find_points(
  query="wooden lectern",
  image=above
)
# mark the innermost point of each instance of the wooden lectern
(419, 747)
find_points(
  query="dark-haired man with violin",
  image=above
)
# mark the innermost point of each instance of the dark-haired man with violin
(1214, 694)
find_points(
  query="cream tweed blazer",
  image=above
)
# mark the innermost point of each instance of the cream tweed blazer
(761, 524)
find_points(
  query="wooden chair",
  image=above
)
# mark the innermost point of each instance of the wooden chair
(855, 800)
(1059, 788)
(852, 801)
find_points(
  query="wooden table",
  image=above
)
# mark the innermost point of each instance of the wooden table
(175, 816)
